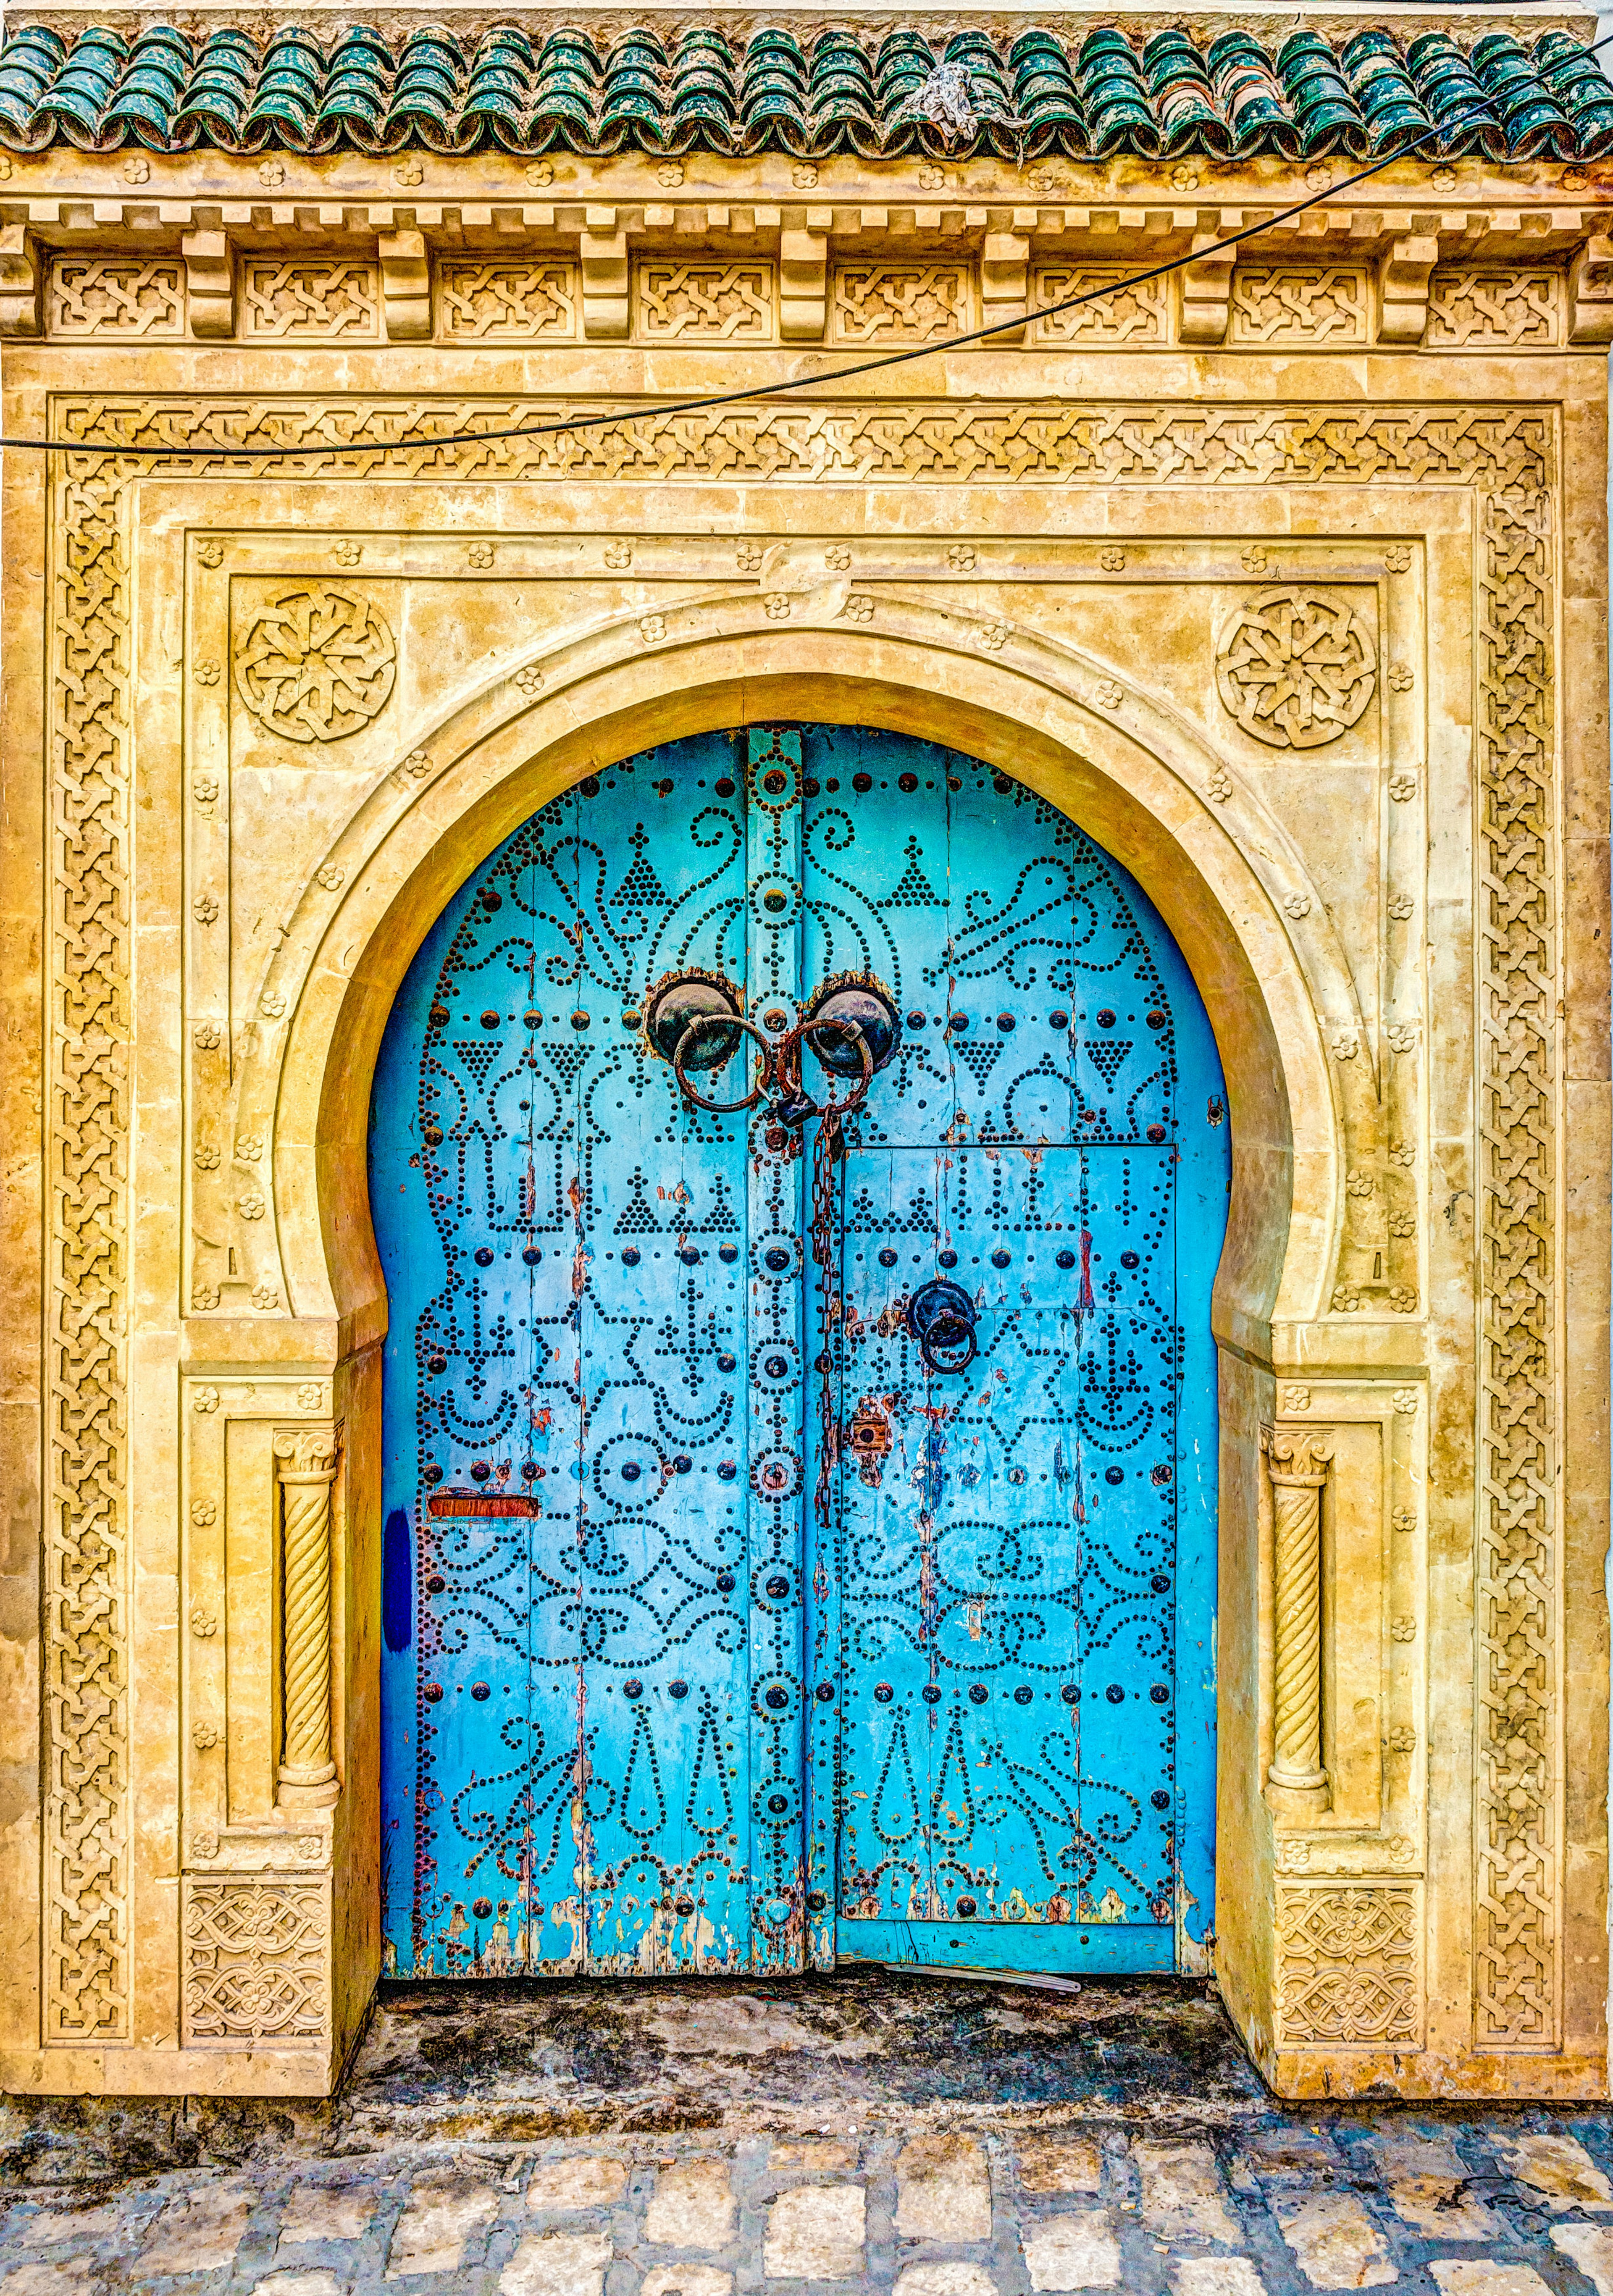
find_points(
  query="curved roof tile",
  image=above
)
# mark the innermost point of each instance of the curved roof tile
(1112, 91)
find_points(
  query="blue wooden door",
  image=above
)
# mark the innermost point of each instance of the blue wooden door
(792, 1555)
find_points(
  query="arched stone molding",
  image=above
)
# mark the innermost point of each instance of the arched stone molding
(1130, 769)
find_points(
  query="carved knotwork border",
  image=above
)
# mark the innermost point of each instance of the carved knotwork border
(1507, 455)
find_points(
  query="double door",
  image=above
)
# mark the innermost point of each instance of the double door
(798, 1530)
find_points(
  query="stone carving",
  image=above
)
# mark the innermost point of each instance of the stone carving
(1295, 667)
(725, 300)
(255, 1960)
(305, 1458)
(314, 663)
(1347, 1967)
(504, 302)
(1133, 314)
(1514, 309)
(898, 302)
(1504, 453)
(928, 443)
(1297, 1460)
(115, 295)
(1284, 303)
(1519, 1877)
(310, 302)
(85, 1848)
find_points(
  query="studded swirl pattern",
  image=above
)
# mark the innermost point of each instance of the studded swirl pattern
(631, 1712)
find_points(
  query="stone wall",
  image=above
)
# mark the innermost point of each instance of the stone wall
(1284, 575)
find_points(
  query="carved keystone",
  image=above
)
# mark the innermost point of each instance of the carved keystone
(604, 264)
(803, 279)
(1206, 289)
(406, 286)
(1404, 273)
(1297, 1460)
(1591, 292)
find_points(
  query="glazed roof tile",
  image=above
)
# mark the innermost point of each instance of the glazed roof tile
(1165, 94)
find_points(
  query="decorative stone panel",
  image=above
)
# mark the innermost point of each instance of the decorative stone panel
(875, 303)
(505, 302)
(1348, 1972)
(257, 1960)
(116, 297)
(1284, 304)
(310, 302)
(1475, 310)
(1135, 315)
(722, 302)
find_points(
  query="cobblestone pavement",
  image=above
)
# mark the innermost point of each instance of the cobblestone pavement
(889, 2134)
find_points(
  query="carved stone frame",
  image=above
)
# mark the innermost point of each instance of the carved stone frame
(463, 783)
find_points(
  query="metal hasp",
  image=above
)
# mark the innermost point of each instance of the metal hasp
(798, 1166)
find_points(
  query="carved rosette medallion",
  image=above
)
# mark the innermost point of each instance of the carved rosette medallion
(1295, 667)
(315, 663)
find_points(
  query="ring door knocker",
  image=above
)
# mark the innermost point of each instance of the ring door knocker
(941, 1317)
(694, 1020)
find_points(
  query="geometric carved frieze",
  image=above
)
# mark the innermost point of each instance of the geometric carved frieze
(926, 442)
(1295, 667)
(898, 302)
(1283, 303)
(115, 298)
(1347, 1965)
(1504, 310)
(1123, 313)
(501, 300)
(1520, 1880)
(255, 1960)
(315, 663)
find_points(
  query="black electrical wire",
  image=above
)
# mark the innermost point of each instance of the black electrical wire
(324, 448)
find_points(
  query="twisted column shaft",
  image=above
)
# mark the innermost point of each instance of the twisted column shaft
(307, 1462)
(1297, 1460)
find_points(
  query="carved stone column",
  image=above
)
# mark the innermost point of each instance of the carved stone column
(1297, 1460)
(306, 1457)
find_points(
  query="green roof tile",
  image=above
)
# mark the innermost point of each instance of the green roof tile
(1113, 91)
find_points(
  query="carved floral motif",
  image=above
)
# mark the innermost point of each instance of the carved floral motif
(1347, 1965)
(255, 1961)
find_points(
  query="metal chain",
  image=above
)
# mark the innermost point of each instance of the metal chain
(826, 1151)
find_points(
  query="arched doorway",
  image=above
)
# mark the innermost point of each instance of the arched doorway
(792, 1555)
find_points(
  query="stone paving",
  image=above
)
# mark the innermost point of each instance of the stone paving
(885, 2134)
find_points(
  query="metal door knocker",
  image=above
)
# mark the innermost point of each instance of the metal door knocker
(941, 1317)
(693, 1020)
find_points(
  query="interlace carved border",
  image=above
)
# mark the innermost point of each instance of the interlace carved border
(1506, 454)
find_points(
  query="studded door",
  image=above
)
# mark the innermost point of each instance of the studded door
(799, 1538)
